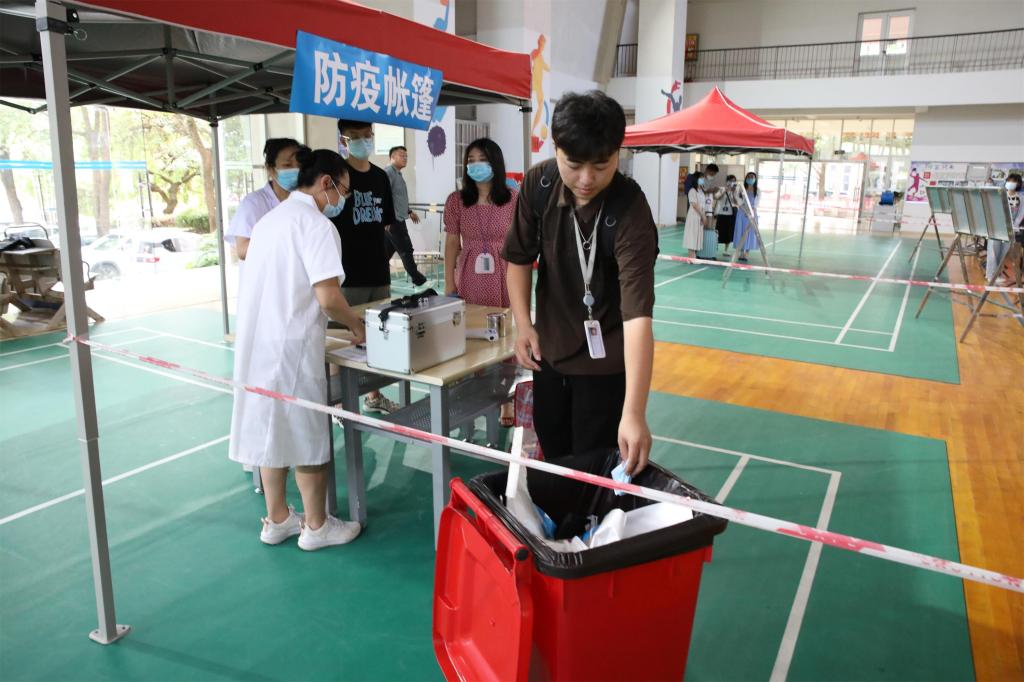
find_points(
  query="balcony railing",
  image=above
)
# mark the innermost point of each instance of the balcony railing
(986, 51)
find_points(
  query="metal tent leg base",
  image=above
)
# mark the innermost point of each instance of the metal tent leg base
(121, 631)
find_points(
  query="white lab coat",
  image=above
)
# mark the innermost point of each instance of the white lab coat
(279, 340)
(253, 207)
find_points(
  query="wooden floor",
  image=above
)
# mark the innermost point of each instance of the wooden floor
(981, 420)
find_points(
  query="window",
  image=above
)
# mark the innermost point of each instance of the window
(885, 32)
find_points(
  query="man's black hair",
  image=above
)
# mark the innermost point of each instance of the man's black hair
(711, 168)
(351, 124)
(275, 146)
(397, 149)
(313, 164)
(588, 126)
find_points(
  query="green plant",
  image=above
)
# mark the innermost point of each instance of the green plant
(195, 220)
(207, 253)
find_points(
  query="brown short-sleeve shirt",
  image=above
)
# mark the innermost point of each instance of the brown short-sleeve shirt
(623, 281)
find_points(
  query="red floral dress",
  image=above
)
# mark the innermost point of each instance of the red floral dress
(482, 229)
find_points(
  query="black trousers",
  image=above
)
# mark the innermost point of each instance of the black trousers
(399, 242)
(574, 414)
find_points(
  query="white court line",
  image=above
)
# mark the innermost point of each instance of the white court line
(737, 453)
(903, 306)
(775, 336)
(779, 241)
(864, 298)
(766, 319)
(163, 374)
(60, 343)
(676, 279)
(120, 477)
(731, 481)
(64, 356)
(803, 590)
(221, 346)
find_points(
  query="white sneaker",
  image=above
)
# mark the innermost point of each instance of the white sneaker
(1003, 281)
(333, 532)
(276, 533)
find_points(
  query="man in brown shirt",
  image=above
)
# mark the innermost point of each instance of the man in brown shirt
(592, 346)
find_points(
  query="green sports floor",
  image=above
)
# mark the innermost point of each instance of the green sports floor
(207, 601)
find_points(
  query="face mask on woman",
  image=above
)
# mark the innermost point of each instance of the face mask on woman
(334, 210)
(700, 182)
(750, 181)
(288, 178)
(360, 149)
(480, 171)
(1011, 186)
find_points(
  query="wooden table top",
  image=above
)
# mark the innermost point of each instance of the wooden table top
(479, 354)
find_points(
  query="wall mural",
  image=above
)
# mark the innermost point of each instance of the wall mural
(541, 111)
(675, 102)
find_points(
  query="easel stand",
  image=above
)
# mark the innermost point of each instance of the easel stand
(932, 223)
(748, 210)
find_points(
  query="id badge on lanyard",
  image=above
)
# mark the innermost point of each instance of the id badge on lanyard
(591, 327)
(484, 264)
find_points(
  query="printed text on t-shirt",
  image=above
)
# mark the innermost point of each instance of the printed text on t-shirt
(367, 208)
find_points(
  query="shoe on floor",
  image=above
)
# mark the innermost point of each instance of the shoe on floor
(419, 282)
(379, 404)
(1003, 281)
(333, 532)
(742, 259)
(276, 533)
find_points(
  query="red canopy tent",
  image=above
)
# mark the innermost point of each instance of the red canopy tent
(210, 60)
(714, 125)
(717, 125)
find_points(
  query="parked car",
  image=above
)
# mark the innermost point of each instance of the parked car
(153, 251)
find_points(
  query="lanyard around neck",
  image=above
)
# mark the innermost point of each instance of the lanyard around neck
(587, 261)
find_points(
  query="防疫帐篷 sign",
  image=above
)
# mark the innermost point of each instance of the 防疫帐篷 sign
(340, 81)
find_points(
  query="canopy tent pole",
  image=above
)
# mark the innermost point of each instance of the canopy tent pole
(778, 199)
(807, 197)
(218, 200)
(52, 25)
(527, 149)
(657, 219)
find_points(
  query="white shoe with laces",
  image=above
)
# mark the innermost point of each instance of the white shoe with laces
(276, 533)
(333, 532)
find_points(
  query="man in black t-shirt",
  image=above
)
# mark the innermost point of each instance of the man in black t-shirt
(364, 242)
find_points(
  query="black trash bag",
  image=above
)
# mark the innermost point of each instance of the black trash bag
(570, 502)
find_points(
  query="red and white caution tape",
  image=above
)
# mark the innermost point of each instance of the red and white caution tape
(745, 518)
(976, 288)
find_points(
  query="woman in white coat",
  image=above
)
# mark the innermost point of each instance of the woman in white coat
(293, 284)
(696, 216)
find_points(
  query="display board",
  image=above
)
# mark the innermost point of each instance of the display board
(938, 199)
(980, 212)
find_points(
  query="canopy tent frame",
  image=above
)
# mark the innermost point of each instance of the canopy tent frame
(54, 20)
(714, 126)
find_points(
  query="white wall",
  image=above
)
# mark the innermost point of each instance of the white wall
(751, 23)
(981, 133)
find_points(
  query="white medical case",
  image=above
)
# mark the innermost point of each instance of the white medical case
(412, 339)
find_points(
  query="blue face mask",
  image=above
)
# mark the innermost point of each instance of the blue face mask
(700, 181)
(360, 149)
(480, 171)
(750, 182)
(288, 178)
(334, 210)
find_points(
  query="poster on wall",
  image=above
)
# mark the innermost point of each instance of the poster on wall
(924, 174)
(692, 40)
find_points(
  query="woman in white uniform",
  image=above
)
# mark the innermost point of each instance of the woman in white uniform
(283, 172)
(696, 216)
(293, 284)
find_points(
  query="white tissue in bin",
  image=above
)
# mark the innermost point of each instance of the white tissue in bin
(416, 338)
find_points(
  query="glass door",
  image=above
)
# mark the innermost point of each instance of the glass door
(884, 44)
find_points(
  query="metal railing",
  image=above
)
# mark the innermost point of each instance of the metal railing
(986, 51)
(625, 60)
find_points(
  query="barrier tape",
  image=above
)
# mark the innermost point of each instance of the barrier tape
(975, 288)
(745, 518)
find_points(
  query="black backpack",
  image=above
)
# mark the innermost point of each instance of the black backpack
(622, 192)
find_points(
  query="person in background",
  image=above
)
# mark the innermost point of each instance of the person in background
(696, 217)
(709, 173)
(293, 285)
(282, 172)
(725, 214)
(476, 221)
(398, 232)
(362, 225)
(592, 346)
(996, 249)
(742, 222)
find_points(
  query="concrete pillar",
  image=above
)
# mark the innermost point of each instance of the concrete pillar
(662, 37)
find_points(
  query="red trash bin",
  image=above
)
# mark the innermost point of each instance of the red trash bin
(506, 607)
